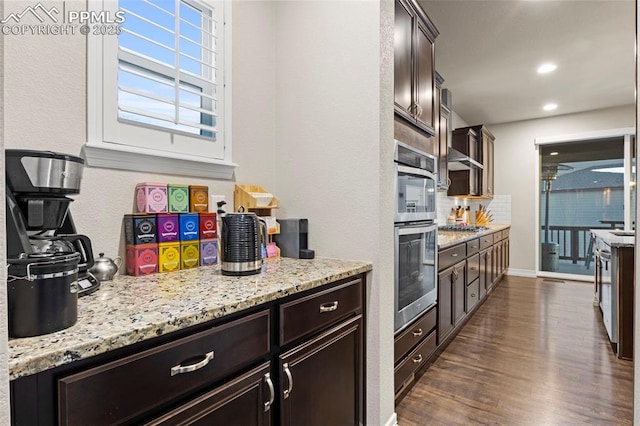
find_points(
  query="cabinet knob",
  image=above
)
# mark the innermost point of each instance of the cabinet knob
(417, 359)
(454, 254)
(417, 332)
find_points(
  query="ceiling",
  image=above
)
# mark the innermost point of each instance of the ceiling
(488, 52)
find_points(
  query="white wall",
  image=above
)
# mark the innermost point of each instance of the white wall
(515, 157)
(335, 153)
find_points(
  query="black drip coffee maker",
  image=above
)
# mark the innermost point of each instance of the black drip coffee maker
(48, 263)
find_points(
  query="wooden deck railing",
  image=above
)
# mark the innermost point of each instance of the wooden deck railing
(573, 241)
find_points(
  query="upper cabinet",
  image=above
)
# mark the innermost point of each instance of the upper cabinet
(414, 68)
(486, 138)
(443, 127)
(476, 142)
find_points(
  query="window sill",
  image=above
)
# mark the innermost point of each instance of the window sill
(113, 156)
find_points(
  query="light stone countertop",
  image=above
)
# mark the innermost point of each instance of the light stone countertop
(612, 239)
(129, 309)
(451, 238)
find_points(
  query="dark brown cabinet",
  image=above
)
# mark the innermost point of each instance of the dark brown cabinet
(478, 143)
(414, 69)
(321, 378)
(297, 360)
(243, 401)
(443, 137)
(487, 142)
(465, 182)
(465, 278)
(107, 393)
(451, 299)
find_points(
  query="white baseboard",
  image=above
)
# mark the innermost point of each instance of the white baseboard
(521, 273)
(393, 420)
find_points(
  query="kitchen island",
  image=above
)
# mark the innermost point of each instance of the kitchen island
(614, 286)
(136, 318)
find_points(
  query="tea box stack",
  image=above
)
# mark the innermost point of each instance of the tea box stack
(172, 229)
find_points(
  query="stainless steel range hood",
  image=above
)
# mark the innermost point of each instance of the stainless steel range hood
(459, 161)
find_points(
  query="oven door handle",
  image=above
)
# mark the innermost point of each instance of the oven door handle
(416, 172)
(410, 230)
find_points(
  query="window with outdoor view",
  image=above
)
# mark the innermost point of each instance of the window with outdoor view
(163, 82)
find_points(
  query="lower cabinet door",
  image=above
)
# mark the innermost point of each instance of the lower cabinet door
(321, 380)
(245, 401)
(446, 320)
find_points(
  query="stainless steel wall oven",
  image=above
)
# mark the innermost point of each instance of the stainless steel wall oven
(416, 234)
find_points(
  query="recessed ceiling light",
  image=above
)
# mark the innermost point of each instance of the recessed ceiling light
(553, 153)
(547, 68)
(550, 107)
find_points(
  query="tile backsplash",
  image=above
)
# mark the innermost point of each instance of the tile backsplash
(500, 207)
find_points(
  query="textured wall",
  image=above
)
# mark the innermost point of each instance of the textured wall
(334, 152)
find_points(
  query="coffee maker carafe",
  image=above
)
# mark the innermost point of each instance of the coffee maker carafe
(39, 223)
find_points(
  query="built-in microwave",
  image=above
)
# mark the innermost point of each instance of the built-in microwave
(415, 183)
(416, 270)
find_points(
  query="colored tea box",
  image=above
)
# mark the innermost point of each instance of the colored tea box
(189, 226)
(198, 198)
(142, 259)
(189, 254)
(208, 252)
(168, 226)
(208, 227)
(178, 196)
(168, 257)
(140, 229)
(151, 198)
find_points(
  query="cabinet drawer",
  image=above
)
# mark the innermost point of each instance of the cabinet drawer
(505, 234)
(405, 371)
(473, 246)
(473, 295)
(313, 313)
(451, 256)
(242, 401)
(414, 334)
(486, 241)
(473, 268)
(124, 389)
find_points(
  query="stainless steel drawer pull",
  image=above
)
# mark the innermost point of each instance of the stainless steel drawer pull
(272, 392)
(417, 359)
(417, 332)
(328, 307)
(180, 369)
(289, 388)
(454, 255)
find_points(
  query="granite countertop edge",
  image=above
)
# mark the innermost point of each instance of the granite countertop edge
(614, 240)
(456, 237)
(32, 355)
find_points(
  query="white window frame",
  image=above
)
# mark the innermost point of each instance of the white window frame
(119, 145)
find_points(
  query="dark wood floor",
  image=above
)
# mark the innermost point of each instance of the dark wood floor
(535, 353)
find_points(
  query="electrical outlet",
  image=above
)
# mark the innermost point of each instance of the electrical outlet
(213, 200)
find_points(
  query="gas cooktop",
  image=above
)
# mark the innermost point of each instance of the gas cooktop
(462, 228)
